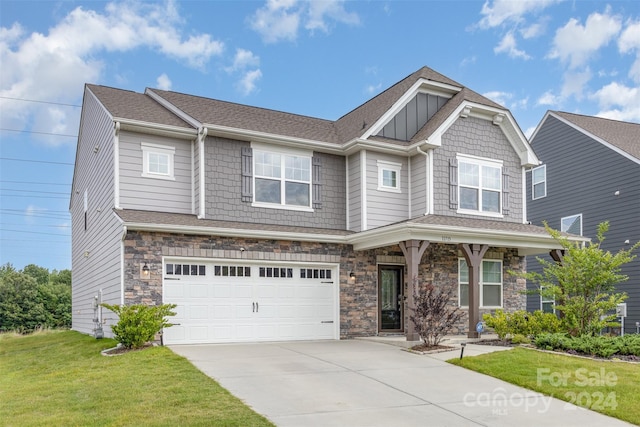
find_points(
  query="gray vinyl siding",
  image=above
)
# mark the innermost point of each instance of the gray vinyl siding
(96, 251)
(476, 137)
(223, 189)
(385, 207)
(138, 192)
(413, 116)
(355, 193)
(418, 185)
(582, 178)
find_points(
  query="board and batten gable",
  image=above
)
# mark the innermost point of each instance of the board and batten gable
(583, 176)
(385, 207)
(223, 190)
(96, 250)
(476, 137)
(155, 194)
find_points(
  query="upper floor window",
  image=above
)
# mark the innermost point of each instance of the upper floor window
(479, 185)
(539, 182)
(157, 161)
(282, 179)
(389, 176)
(572, 224)
(490, 283)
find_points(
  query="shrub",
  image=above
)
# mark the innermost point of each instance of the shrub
(556, 341)
(433, 316)
(498, 322)
(591, 345)
(520, 339)
(522, 323)
(139, 323)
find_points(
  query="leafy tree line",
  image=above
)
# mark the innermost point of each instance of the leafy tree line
(34, 297)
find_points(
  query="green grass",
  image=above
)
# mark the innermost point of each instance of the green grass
(60, 378)
(611, 388)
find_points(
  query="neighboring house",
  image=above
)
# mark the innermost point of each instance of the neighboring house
(263, 225)
(590, 174)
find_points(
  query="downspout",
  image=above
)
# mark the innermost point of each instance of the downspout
(122, 239)
(116, 166)
(428, 167)
(202, 135)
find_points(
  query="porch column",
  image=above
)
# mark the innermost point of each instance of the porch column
(413, 251)
(473, 254)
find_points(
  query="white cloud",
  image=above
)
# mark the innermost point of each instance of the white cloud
(628, 42)
(618, 102)
(510, 11)
(575, 43)
(508, 45)
(247, 84)
(574, 82)
(54, 66)
(533, 30)
(163, 82)
(371, 89)
(500, 97)
(548, 98)
(280, 20)
(243, 59)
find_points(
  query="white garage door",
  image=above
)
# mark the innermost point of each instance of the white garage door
(221, 302)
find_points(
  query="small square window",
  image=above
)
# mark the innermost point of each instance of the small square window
(202, 270)
(169, 269)
(157, 161)
(389, 176)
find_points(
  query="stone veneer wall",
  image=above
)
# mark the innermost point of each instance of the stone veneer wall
(358, 301)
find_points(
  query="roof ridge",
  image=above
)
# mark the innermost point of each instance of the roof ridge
(586, 116)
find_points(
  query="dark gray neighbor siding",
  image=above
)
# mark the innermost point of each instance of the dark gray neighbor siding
(223, 189)
(476, 137)
(582, 178)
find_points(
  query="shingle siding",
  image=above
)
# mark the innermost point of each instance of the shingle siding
(95, 258)
(582, 178)
(476, 137)
(224, 191)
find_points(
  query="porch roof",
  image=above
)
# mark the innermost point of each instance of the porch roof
(528, 239)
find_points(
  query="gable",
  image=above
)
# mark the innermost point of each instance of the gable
(413, 116)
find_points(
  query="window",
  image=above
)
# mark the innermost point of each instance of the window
(547, 304)
(490, 283)
(479, 185)
(281, 272)
(539, 182)
(572, 224)
(231, 271)
(389, 176)
(282, 179)
(157, 161)
(185, 270)
(315, 273)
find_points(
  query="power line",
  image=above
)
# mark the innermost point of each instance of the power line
(43, 210)
(39, 133)
(35, 232)
(37, 225)
(35, 161)
(40, 102)
(34, 197)
(33, 191)
(33, 182)
(38, 216)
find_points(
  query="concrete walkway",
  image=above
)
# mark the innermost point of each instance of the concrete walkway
(365, 383)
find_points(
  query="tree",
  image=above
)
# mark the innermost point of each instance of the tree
(583, 284)
(41, 274)
(433, 315)
(20, 305)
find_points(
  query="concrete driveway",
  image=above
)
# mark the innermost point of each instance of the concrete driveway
(362, 383)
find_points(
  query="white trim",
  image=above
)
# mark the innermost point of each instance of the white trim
(201, 147)
(533, 183)
(571, 216)
(523, 184)
(347, 192)
(409, 188)
(163, 150)
(480, 162)
(396, 168)
(481, 284)
(116, 166)
(175, 110)
(363, 189)
(193, 179)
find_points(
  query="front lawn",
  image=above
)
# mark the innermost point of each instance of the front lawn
(60, 378)
(611, 388)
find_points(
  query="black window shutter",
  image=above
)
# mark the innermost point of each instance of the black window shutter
(453, 183)
(505, 191)
(247, 166)
(317, 183)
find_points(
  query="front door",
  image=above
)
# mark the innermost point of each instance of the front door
(390, 298)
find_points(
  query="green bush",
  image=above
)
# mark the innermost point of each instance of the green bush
(557, 341)
(522, 323)
(520, 339)
(139, 323)
(591, 345)
(497, 322)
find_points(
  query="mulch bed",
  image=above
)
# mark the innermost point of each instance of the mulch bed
(116, 351)
(423, 348)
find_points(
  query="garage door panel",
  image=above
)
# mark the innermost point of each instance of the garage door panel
(252, 307)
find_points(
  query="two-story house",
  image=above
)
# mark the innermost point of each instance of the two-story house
(265, 225)
(590, 174)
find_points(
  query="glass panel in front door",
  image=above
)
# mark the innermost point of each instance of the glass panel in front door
(391, 301)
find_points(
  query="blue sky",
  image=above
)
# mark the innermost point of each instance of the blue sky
(316, 58)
